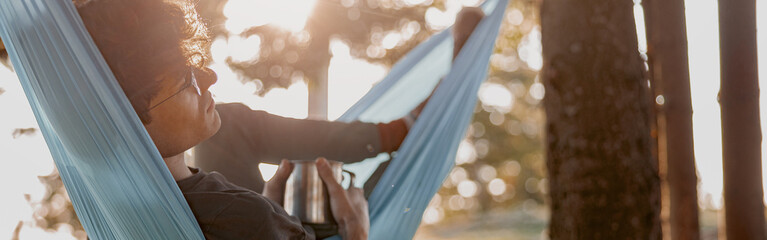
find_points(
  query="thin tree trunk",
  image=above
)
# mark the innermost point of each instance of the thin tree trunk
(318, 95)
(603, 183)
(318, 79)
(741, 132)
(667, 52)
(658, 134)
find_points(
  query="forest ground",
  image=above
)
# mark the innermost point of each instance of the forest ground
(516, 223)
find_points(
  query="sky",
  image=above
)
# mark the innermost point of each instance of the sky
(703, 41)
(703, 55)
(349, 79)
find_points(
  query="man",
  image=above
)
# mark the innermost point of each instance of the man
(156, 51)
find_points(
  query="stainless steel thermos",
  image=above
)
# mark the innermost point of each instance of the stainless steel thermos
(306, 197)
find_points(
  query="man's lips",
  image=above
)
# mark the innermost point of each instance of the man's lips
(211, 105)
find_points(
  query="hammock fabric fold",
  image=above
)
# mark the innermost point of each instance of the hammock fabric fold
(118, 183)
(113, 173)
(427, 155)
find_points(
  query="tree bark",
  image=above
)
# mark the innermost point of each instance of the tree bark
(658, 136)
(741, 131)
(667, 57)
(603, 183)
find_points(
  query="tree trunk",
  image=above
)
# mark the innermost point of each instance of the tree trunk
(603, 183)
(741, 132)
(658, 137)
(318, 79)
(667, 52)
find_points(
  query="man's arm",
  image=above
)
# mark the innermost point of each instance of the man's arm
(269, 138)
(249, 137)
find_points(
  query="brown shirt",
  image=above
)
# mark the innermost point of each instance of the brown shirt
(227, 211)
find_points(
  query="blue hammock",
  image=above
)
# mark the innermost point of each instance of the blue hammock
(118, 183)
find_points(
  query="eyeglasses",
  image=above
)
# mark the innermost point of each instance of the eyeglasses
(191, 80)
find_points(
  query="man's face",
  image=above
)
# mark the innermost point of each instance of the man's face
(180, 117)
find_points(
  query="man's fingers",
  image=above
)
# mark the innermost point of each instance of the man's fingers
(275, 188)
(326, 174)
(355, 194)
(355, 191)
(283, 172)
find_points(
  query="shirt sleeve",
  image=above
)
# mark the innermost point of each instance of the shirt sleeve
(277, 137)
(248, 137)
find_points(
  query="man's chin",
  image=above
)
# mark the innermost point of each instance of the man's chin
(214, 124)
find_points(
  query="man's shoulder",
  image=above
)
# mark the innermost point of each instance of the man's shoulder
(202, 182)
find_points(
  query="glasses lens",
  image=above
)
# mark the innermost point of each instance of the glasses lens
(194, 83)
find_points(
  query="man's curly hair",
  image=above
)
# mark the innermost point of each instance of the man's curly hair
(145, 42)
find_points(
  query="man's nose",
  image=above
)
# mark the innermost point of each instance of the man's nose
(208, 78)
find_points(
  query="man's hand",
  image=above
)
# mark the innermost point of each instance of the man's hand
(275, 188)
(465, 22)
(350, 209)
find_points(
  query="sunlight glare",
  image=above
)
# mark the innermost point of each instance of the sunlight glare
(458, 175)
(244, 49)
(761, 36)
(497, 96)
(349, 79)
(640, 25)
(703, 57)
(537, 91)
(496, 187)
(466, 153)
(288, 14)
(267, 170)
(391, 40)
(417, 2)
(290, 102)
(27, 155)
(432, 215)
(437, 19)
(530, 49)
(467, 188)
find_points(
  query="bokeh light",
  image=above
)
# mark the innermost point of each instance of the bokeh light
(496, 187)
(467, 188)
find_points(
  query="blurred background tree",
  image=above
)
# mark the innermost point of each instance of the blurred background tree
(499, 173)
(598, 144)
(380, 31)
